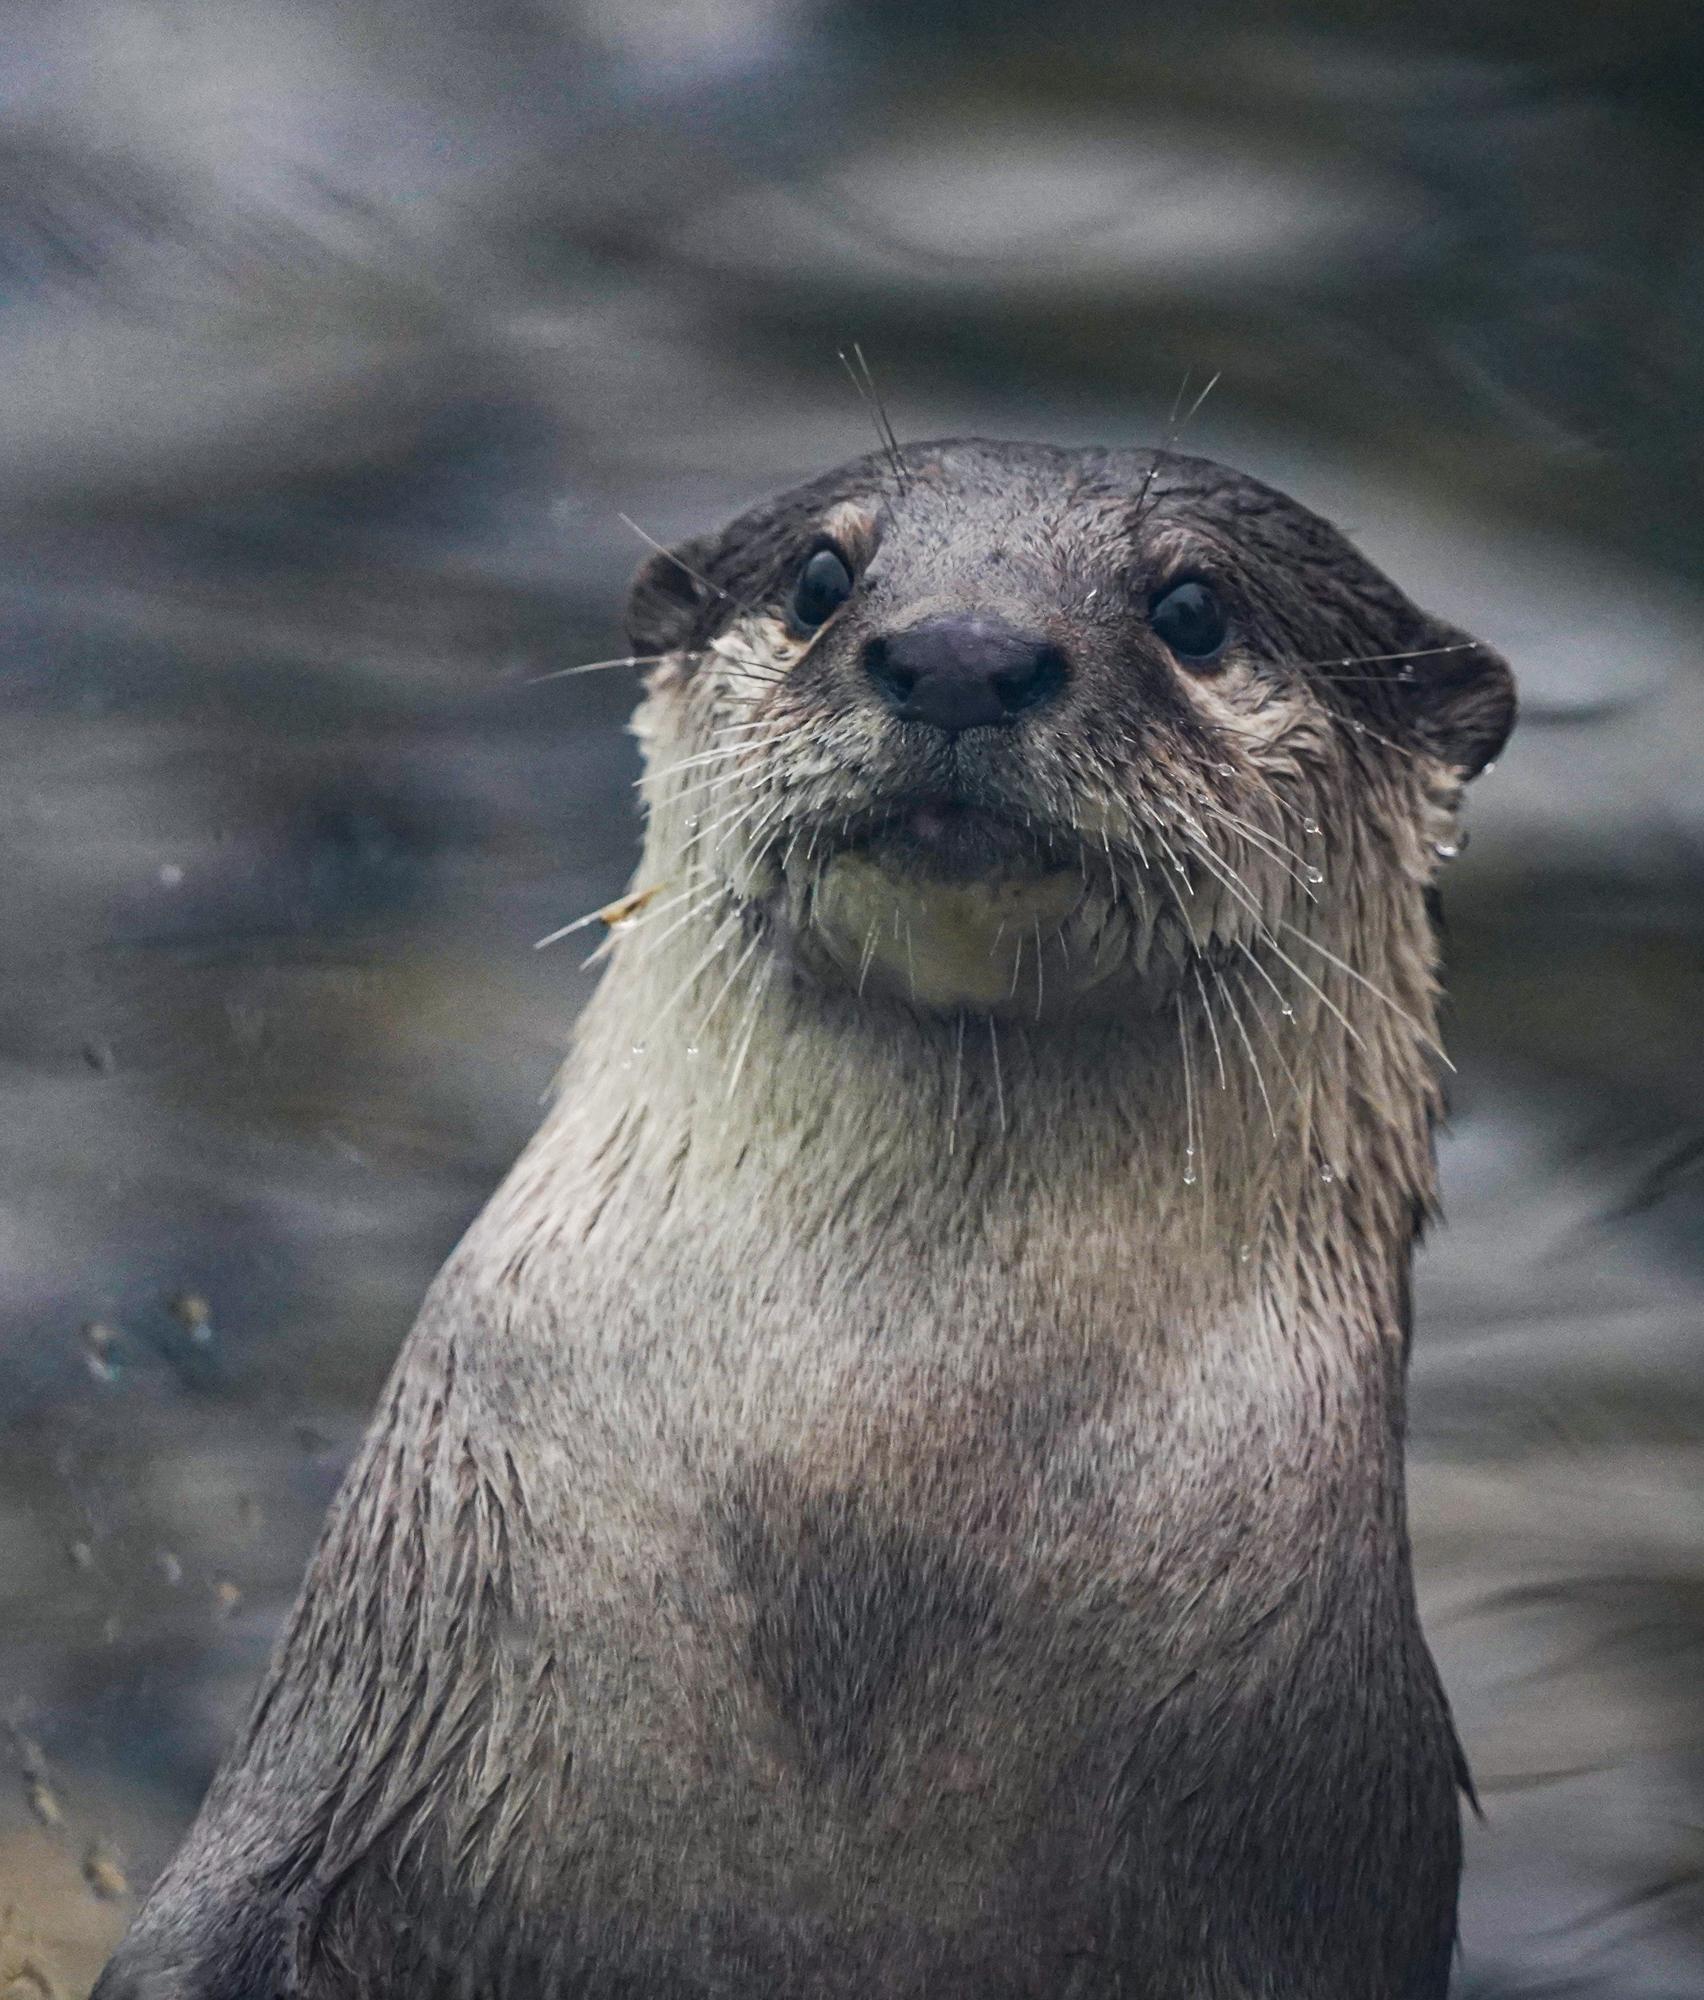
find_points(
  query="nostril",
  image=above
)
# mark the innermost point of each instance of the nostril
(897, 681)
(1027, 686)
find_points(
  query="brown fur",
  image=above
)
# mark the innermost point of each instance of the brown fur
(901, 1491)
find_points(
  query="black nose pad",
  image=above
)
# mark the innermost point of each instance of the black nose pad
(964, 673)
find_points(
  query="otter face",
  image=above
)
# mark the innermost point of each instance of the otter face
(1007, 727)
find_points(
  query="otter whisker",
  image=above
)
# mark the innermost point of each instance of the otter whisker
(1176, 426)
(761, 825)
(958, 1079)
(1269, 844)
(1189, 1128)
(712, 893)
(760, 986)
(1377, 991)
(1401, 749)
(1371, 659)
(1170, 853)
(1198, 836)
(1038, 969)
(1227, 877)
(872, 400)
(1240, 890)
(679, 562)
(1212, 1025)
(869, 953)
(718, 941)
(1349, 1027)
(711, 784)
(597, 667)
(568, 930)
(743, 729)
(1286, 1006)
(1235, 1013)
(999, 1086)
(697, 760)
(744, 812)
(726, 986)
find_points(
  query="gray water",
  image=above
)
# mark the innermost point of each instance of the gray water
(333, 338)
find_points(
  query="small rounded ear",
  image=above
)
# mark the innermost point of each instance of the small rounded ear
(672, 598)
(1460, 696)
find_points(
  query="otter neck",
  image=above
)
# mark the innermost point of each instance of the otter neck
(1210, 1141)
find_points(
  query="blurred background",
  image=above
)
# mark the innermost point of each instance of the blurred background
(334, 335)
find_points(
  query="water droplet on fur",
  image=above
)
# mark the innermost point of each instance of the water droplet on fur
(104, 1873)
(1189, 1177)
(1327, 1172)
(1244, 1253)
(98, 1342)
(196, 1316)
(1486, 770)
(1311, 826)
(43, 1802)
(1446, 850)
(1288, 1012)
(1313, 875)
(692, 1048)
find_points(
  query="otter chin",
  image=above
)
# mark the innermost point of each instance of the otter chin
(951, 907)
(900, 1493)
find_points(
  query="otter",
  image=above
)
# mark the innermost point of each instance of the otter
(901, 1492)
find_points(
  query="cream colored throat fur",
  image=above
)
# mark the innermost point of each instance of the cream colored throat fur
(946, 944)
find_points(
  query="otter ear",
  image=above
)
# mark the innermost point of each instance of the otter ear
(1460, 697)
(672, 598)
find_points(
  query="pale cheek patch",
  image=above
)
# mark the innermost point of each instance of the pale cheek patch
(759, 648)
(1244, 705)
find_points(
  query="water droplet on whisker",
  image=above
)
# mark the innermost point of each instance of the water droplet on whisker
(1313, 875)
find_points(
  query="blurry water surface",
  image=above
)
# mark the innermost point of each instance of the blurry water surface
(333, 337)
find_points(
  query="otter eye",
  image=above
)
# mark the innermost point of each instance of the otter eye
(824, 585)
(1192, 622)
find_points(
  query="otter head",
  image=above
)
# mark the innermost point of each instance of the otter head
(1015, 729)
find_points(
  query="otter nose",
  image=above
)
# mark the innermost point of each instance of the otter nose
(964, 673)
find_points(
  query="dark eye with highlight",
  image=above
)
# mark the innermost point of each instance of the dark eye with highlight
(1192, 621)
(824, 585)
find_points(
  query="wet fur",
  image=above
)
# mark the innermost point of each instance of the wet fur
(898, 1498)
